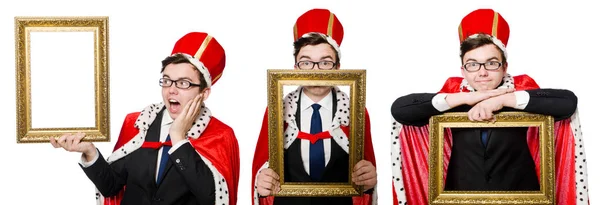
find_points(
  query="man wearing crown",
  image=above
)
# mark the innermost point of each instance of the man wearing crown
(486, 159)
(173, 152)
(316, 125)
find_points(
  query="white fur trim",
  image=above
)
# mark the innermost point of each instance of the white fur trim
(495, 40)
(145, 119)
(396, 156)
(256, 196)
(330, 40)
(341, 117)
(581, 178)
(200, 66)
(374, 196)
(147, 116)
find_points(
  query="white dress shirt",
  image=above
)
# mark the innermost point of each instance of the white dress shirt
(306, 112)
(439, 101)
(164, 131)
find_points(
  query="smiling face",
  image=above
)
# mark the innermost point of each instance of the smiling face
(484, 79)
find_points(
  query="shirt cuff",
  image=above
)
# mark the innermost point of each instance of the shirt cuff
(175, 146)
(439, 102)
(522, 99)
(90, 163)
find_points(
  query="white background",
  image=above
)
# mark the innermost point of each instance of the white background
(406, 47)
(49, 74)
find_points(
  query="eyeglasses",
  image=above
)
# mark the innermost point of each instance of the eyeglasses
(322, 65)
(183, 84)
(475, 66)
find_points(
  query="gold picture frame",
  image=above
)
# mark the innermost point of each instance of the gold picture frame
(24, 26)
(438, 123)
(356, 80)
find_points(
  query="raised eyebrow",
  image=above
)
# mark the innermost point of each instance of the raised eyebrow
(492, 58)
(184, 78)
(326, 57)
(301, 57)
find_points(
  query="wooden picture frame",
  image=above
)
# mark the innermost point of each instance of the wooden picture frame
(32, 35)
(277, 79)
(437, 194)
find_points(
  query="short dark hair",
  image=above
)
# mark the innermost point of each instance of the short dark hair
(180, 58)
(476, 42)
(313, 39)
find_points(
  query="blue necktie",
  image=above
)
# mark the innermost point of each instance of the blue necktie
(163, 160)
(317, 152)
(484, 137)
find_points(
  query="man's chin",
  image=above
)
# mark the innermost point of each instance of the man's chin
(173, 115)
(317, 90)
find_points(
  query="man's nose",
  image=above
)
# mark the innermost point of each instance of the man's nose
(482, 71)
(173, 89)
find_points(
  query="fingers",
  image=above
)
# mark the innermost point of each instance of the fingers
(54, 142)
(500, 91)
(268, 182)
(365, 175)
(270, 173)
(358, 168)
(475, 114)
(70, 142)
(186, 108)
(481, 113)
(195, 109)
(62, 140)
(77, 139)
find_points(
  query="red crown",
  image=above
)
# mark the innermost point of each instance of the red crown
(208, 55)
(321, 21)
(485, 21)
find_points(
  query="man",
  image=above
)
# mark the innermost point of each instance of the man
(313, 110)
(484, 159)
(174, 152)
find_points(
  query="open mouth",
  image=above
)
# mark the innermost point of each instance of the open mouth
(174, 106)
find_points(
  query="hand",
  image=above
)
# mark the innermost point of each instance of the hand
(364, 174)
(267, 182)
(483, 111)
(473, 98)
(184, 121)
(73, 143)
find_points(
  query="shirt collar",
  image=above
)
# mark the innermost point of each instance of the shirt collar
(306, 102)
(166, 119)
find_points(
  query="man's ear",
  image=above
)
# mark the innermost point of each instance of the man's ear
(337, 66)
(205, 93)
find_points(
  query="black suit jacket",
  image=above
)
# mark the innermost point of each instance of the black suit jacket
(506, 163)
(190, 182)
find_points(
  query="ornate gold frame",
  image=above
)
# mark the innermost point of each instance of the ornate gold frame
(23, 27)
(503, 119)
(356, 80)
